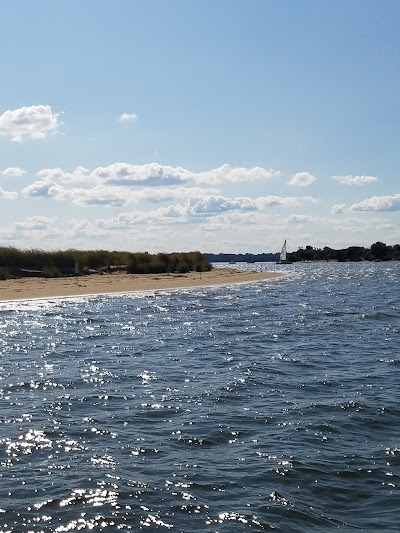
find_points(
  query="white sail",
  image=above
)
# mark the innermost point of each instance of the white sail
(282, 257)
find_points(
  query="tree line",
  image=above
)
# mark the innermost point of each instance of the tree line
(242, 258)
(379, 251)
(16, 263)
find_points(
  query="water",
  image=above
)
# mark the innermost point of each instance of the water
(272, 405)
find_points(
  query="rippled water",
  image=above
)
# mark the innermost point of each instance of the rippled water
(271, 405)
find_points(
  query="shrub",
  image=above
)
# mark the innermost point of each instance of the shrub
(4, 274)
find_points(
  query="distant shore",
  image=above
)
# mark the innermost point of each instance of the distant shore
(27, 288)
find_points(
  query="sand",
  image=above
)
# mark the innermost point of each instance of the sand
(27, 288)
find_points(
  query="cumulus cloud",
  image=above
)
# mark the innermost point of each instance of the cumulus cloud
(302, 179)
(378, 203)
(300, 219)
(60, 176)
(156, 174)
(354, 180)
(112, 192)
(109, 196)
(13, 171)
(98, 196)
(8, 195)
(127, 117)
(39, 189)
(213, 205)
(151, 174)
(83, 229)
(229, 174)
(36, 223)
(194, 210)
(218, 204)
(339, 208)
(51, 177)
(284, 201)
(126, 220)
(207, 206)
(34, 122)
(162, 194)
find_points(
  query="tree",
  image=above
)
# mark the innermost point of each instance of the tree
(379, 251)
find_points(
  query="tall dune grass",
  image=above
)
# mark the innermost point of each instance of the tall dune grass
(17, 263)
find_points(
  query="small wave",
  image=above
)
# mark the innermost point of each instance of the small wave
(239, 518)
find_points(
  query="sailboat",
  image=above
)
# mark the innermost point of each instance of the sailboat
(282, 256)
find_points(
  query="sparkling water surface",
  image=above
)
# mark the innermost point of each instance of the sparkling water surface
(272, 405)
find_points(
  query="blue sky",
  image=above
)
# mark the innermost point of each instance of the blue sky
(223, 126)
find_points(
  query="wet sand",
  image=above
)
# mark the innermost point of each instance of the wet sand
(26, 288)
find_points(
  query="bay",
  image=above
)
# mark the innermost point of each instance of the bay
(249, 407)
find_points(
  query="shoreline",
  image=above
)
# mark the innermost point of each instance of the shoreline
(117, 283)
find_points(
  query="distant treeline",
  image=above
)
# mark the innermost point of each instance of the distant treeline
(242, 258)
(35, 262)
(379, 251)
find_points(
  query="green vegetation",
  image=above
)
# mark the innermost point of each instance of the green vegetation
(144, 263)
(379, 251)
(35, 262)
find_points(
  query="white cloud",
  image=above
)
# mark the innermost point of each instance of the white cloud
(83, 229)
(193, 210)
(21, 232)
(302, 219)
(207, 206)
(229, 174)
(36, 223)
(354, 180)
(378, 203)
(110, 196)
(285, 201)
(151, 175)
(218, 204)
(126, 220)
(127, 117)
(386, 226)
(34, 122)
(162, 194)
(339, 208)
(13, 171)
(59, 176)
(100, 196)
(113, 192)
(37, 189)
(302, 179)
(156, 174)
(213, 205)
(55, 176)
(148, 174)
(8, 195)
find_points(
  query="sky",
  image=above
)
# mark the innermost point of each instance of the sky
(220, 126)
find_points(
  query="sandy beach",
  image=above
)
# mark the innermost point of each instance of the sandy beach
(26, 288)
